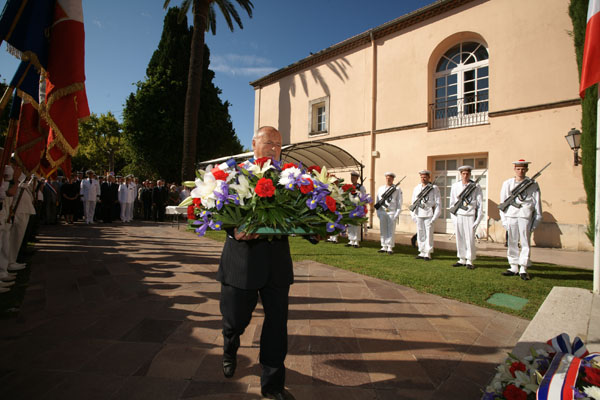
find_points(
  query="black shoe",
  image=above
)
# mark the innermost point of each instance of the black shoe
(283, 395)
(524, 276)
(508, 272)
(229, 365)
(457, 264)
(348, 245)
(381, 251)
(390, 252)
(419, 257)
(427, 258)
(470, 266)
(356, 246)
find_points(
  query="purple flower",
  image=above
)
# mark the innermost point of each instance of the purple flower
(215, 226)
(202, 229)
(358, 212)
(331, 226)
(489, 396)
(276, 164)
(313, 202)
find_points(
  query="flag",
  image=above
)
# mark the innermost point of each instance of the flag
(590, 66)
(23, 26)
(66, 100)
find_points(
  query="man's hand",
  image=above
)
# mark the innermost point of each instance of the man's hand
(244, 236)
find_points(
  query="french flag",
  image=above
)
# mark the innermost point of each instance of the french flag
(590, 66)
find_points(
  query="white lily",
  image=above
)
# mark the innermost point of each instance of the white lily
(242, 188)
(258, 171)
(204, 190)
(592, 391)
(322, 176)
(527, 381)
(289, 175)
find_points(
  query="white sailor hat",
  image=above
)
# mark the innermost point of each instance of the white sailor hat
(465, 168)
(521, 162)
(424, 172)
(355, 173)
(89, 171)
(390, 174)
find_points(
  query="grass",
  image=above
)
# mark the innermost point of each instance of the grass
(439, 277)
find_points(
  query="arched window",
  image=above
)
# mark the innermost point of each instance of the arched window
(461, 87)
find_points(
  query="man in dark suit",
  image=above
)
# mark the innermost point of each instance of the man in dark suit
(251, 265)
(109, 195)
(159, 200)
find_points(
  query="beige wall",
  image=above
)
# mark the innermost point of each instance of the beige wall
(532, 64)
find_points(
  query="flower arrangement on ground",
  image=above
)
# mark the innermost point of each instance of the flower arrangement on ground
(568, 371)
(267, 196)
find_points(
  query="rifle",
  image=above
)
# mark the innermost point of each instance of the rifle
(13, 207)
(462, 201)
(387, 194)
(520, 188)
(424, 192)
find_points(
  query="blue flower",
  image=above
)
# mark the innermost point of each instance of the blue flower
(215, 226)
(202, 229)
(331, 226)
(358, 212)
(312, 203)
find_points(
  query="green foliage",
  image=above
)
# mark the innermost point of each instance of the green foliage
(100, 145)
(578, 14)
(153, 115)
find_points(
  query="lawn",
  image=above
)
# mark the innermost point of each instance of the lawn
(439, 277)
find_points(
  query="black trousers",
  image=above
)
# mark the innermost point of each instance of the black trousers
(237, 306)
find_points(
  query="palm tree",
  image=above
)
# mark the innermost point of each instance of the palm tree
(204, 19)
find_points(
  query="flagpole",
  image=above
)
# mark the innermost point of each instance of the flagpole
(597, 208)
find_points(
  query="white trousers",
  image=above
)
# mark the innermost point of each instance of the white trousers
(126, 212)
(387, 229)
(465, 238)
(519, 231)
(353, 234)
(89, 210)
(425, 236)
(15, 237)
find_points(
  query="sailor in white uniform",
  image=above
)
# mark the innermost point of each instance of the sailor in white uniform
(388, 214)
(426, 212)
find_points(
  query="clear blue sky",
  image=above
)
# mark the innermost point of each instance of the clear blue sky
(122, 35)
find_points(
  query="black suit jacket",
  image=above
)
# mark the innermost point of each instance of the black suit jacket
(251, 264)
(109, 193)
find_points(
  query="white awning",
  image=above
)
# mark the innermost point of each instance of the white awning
(308, 153)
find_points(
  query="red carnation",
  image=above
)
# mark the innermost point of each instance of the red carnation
(307, 188)
(330, 203)
(314, 168)
(592, 375)
(261, 161)
(348, 187)
(511, 392)
(264, 188)
(190, 212)
(517, 366)
(197, 201)
(220, 175)
(288, 165)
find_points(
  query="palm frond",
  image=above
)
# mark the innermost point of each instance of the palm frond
(246, 5)
(211, 20)
(227, 10)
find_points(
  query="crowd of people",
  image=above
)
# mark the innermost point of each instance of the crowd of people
(106, 199)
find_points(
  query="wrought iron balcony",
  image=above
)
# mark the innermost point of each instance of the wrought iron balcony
(454, 113)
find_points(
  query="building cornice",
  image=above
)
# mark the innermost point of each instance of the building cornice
(363, 39)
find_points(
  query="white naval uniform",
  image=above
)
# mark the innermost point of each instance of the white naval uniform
(424, 216)
(520, 222)
(126, 198)
(466, 221)
(90, 191)
(354, 230)
(388, 214)
(24, 209)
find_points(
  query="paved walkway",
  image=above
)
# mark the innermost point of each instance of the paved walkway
(131, 312)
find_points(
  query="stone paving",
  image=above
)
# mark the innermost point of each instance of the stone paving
(131, 312)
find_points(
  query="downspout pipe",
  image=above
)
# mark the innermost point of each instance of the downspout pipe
(373, 122)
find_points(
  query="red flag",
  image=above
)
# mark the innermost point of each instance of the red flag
(31, 141)
(66, 100)
(590, 67)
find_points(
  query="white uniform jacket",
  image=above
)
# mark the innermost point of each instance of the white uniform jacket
(90, 190)
(393, 203)
(430, 204)
(474, 202)
(530, 202)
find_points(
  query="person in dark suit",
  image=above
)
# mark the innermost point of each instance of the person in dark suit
(252, 265)
(160, 195)
(109, 195)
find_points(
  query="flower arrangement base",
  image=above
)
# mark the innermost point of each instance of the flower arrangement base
(299, 231)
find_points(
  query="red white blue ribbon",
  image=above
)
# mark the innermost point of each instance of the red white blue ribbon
(224, 166)
(559, 380)
(562, 344)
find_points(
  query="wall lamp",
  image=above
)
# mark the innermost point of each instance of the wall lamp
(574, 140)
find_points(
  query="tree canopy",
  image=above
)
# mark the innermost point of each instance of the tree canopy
(153, 115)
